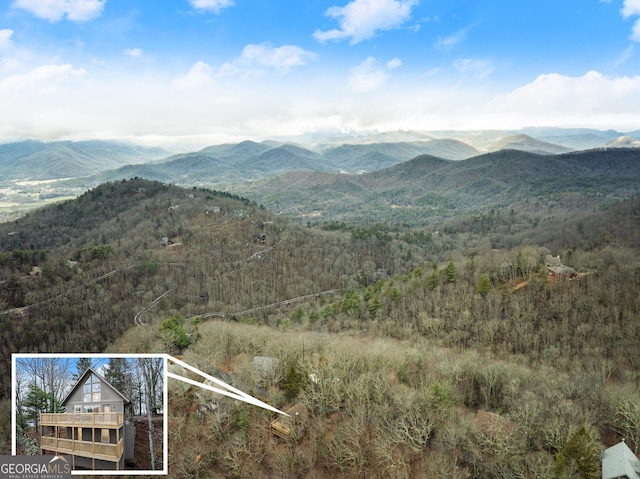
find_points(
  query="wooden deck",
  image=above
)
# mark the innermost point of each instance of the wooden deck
(96, 450)
(284, 426)
(79, 419)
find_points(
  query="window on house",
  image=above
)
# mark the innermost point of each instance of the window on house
(77, 408)
(91, 389)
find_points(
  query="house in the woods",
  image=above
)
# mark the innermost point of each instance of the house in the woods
(619, 462)
(92, 430)
(557, 270)
(562, 272)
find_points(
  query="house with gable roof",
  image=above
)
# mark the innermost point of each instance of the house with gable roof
(92, 430)
(558, 271)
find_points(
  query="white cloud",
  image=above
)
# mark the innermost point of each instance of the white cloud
(370, 75)
(450, 41)
(198, 76)
(625, 56)
(5, 39)
(360, 19)
(630, 7)
(592, 97)
(256, 60)
(214, 6)
(474, 69)
(55, 10)
(393, 63)
(635, 32)
(430, 73)
(63, 101)
(133, 52)
(42, 79)
(282, 58)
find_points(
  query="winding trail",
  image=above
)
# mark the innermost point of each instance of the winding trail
(297, 299)
(83, 285)
(137, 318)
(257, 256)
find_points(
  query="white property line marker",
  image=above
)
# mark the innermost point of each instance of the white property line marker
(229, 391)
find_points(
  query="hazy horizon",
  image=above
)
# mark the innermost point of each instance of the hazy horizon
(215, 71)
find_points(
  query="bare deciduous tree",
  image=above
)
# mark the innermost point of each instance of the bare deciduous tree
(150, 370)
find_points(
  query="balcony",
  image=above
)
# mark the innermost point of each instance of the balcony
(83, 419)
(96, 450)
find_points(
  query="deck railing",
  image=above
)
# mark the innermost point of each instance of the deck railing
(99, 450)
(83, 419)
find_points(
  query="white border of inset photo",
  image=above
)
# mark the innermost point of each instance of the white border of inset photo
(101, 356)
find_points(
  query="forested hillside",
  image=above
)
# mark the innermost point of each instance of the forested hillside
(442, 351)
(33, 160)
(429, 190)
(75, 274)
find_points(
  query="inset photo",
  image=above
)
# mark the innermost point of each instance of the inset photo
(103, 412)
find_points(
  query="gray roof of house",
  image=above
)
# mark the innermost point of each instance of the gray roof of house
(619, 461)
(553, 260)
(81, 381)
(563, 270)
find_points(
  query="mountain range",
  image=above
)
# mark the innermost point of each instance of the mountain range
(416, 176)
(230, 163)
(428, 189)
(36, 161)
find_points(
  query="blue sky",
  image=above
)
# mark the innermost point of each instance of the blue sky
(207, 71)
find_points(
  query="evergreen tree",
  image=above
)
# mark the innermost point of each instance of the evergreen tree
(451, 272)
(580, 457)
(484, 285)
(293, 383)
(175, 334)
(432, 281)
(118, 374)
(82, 365)
(35, 402)
(38, 401)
